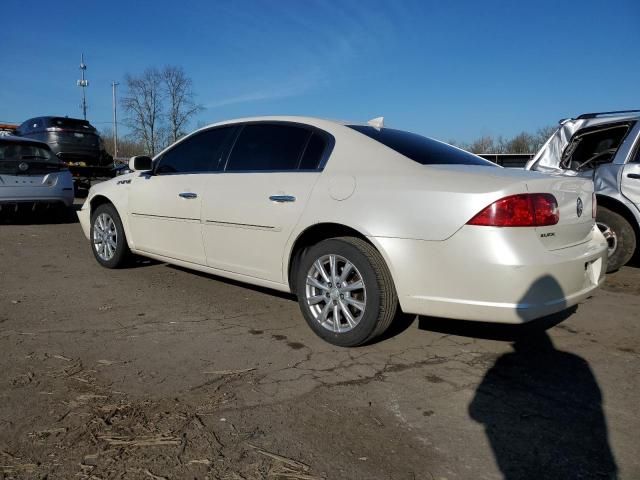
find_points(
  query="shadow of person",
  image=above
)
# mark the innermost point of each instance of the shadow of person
(542, 411)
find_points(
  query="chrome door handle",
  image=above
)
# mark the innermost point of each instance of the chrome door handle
(282, 198)
(188, 195)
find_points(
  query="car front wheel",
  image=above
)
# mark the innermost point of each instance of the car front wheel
(108, 241)
(345, 291)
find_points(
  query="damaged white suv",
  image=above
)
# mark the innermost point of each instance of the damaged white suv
(605, 147)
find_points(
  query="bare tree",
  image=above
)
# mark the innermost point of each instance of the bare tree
(143, 106)
(179, 95)
(127, 147)
(484, 144)
(521, 143)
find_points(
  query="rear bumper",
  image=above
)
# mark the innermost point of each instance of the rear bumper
(492, 274)
(61, 191)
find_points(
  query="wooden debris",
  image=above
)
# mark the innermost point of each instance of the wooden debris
(155, 477)
(61, 357)
(228, 372)
(280, 458)
(144, 441)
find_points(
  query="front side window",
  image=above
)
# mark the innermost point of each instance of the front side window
(264, 147)
(199, 153)
(591, 147)
(421, 149)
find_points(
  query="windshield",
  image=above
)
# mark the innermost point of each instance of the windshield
(421, 149)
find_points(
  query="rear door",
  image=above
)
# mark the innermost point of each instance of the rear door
(250, 209)
(164, 207)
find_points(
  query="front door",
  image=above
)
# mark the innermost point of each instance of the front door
(630, 182)
(165, 206)
(164, 215)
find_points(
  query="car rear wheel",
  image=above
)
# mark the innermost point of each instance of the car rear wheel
(620, 236)
(345, 291)
(108, 241)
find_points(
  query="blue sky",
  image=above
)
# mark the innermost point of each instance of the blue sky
(446, 69)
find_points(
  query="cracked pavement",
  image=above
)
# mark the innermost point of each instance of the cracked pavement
(159, 372)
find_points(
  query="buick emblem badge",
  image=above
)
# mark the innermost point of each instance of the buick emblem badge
(24, 166)
(579, 207)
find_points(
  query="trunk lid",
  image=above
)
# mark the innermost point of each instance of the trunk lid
(575, 203)
(69, 132)
(491, 184)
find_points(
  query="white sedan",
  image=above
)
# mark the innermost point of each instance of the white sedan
(358, 221)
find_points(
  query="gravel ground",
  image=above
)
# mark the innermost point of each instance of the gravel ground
(155, 372)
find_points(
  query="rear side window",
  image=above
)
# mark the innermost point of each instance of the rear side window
(421, 149)
(263, 147)
(201, 152)
(313, 153)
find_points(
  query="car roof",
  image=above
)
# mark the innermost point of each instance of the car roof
(16, 139)
(591, 119)
(313, 121)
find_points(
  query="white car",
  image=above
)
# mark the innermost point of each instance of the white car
(357, 221)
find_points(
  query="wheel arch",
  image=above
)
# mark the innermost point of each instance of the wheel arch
(621, 209)
(102, 199)
(322, 231)
(98, 200)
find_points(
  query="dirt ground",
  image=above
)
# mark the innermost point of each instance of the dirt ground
(155, 372)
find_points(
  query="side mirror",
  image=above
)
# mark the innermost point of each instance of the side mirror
(140, 163)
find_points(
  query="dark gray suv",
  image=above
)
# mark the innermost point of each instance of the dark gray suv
(72, 140)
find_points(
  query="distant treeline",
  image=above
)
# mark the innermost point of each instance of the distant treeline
(521, 143)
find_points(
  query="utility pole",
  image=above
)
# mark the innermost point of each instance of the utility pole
(115, 120)
(83, 83)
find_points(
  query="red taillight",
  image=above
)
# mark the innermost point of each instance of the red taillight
(525, 210)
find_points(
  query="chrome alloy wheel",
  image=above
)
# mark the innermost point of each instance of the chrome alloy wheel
(335, 293)
(610, 236)
(105, 236)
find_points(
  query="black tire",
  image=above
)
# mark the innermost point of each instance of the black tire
(122, 253)
(380, 300)
(623, 244)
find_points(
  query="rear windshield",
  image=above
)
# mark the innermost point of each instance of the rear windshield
(421, 149)
(14, 151)
(26, 158)
(71, 123)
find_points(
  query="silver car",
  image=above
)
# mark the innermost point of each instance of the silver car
(31, 174)
(605, 147)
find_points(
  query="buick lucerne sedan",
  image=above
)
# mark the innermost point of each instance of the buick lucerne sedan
(358, 221)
